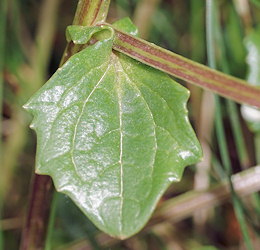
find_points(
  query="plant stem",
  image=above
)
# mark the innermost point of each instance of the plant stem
(187, 70)
(34, 232)
(88, 13)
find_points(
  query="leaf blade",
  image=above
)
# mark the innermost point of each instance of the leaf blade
(113, 133)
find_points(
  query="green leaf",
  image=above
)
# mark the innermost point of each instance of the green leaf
(113, 134)
(126, 25)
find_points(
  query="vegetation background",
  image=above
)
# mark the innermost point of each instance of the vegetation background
(199, 212)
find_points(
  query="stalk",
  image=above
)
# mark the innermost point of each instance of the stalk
(88, 13)
(187, 70)
(34, 232)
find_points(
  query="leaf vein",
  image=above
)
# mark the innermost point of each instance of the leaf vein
(135, 85)
(119, 94)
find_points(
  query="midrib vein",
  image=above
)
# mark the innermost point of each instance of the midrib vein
(121, 155)
(119, 94)
(135, 86)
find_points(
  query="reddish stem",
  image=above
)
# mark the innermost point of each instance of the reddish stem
(35, 228)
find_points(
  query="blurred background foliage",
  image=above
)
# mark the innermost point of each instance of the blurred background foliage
(32, 41)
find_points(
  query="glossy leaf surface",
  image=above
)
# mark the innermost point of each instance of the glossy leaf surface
(113, 133)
